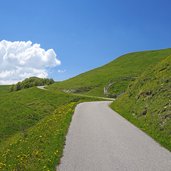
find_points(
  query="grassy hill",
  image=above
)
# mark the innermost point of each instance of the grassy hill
(115, 76)
(33, 125)
(20, 110)
(147, 102)
(141, 81)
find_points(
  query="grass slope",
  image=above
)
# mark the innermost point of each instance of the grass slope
(119, 72)
(41, 146)
(33, 126)
(147, 102)
(21, 110)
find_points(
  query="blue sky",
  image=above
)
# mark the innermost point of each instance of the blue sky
(87, 33)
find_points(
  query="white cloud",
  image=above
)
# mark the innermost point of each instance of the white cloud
(61, 71)
(20, 59)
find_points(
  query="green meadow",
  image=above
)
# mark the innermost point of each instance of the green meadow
(33, 126)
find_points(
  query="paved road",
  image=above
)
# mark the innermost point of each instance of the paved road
(84, 95)
(41, 87)
(101, 140)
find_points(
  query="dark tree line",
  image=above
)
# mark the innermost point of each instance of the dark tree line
(31, 82)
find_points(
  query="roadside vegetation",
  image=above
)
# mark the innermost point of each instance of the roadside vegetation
(40, 147)
(31, 82)
(33, 126)
(147, 102)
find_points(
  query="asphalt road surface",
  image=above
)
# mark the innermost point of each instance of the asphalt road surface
(101, 140)
(41, 87)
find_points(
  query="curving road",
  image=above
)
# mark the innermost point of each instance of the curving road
(101, 140)
(41, 87)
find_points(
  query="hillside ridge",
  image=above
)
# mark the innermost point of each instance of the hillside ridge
(147, 102)
(120, 71)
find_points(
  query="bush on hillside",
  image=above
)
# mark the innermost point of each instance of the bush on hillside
(31, 82)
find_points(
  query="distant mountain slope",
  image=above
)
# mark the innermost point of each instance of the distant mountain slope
(147, 102)
(115, 76)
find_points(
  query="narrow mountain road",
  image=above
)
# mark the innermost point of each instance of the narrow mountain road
(101, 140)
(41, 87)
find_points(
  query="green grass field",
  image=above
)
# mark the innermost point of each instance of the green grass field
(33, 126)
(39, 147)
(21, 110)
